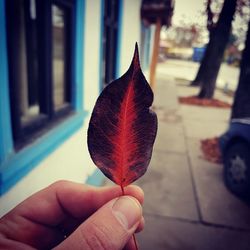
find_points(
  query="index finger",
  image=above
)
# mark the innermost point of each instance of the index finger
(53, 204)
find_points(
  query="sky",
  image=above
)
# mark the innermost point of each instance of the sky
(189, 11)
(193, 12)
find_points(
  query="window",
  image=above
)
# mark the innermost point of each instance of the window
(39, 39)
(33, 61)
(110, 38)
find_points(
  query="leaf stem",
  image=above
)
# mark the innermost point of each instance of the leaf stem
(136, 246)
(122, 188)
(134, 239)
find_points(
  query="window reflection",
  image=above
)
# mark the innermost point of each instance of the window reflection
(59, 48)
(27, 61)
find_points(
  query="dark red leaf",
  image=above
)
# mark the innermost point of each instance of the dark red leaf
(122, 128)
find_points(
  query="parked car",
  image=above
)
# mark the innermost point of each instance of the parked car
(235, 148)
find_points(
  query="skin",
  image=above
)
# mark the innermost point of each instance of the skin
(68, 215)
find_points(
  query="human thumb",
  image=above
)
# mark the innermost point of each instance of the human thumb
(110, 228)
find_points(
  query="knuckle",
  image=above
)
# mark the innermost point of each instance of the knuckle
(97, 238)
(59, 183)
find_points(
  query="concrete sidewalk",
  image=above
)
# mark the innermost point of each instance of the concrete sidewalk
(228, 76)
(186, 205)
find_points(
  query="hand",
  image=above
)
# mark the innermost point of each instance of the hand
(67, 215)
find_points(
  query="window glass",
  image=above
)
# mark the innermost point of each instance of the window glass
(110, 36)
(59, 56)
(27, 92)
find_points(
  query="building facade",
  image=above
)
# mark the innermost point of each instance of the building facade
(56, 57)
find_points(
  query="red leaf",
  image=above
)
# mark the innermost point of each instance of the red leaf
(122, 128)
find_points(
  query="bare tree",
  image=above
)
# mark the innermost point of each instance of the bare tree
(241, 105)
(219, 36)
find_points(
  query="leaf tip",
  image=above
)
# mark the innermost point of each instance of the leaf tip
(136, 47)
(136, 59)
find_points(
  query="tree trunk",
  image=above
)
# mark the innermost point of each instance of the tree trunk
(241, 105)
(210, 65)
(199, 76)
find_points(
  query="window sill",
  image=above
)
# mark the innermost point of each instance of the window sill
(19, 164)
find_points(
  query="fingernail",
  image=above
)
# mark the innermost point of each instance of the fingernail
(127, 211)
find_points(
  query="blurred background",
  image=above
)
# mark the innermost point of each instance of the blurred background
(58, 55)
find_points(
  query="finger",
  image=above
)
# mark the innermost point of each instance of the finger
(16, 228)
(11, 244)
(140, 226)
(69, 226)
(51, 205)
(68, 229)
(95, 198)
(130, 245)
(110, 227)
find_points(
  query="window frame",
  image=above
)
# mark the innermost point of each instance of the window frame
(14, 165)
(110, 33)
(114, 26)
(50, 116)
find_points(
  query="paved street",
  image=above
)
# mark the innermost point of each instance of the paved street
(187, 206)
